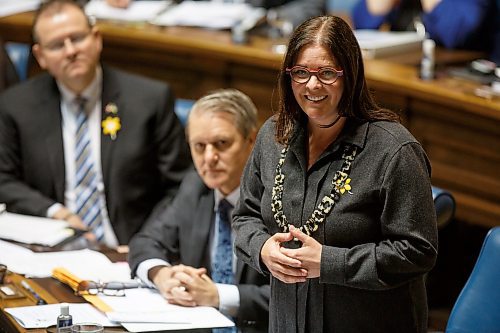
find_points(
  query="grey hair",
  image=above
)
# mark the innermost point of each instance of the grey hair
(231, 101)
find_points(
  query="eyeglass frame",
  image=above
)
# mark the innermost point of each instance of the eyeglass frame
(112, 288)
(75, 40)
(315, 72)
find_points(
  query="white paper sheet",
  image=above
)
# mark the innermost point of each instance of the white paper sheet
(207, 14)
(33, 229)
(377, 44)
(41, 316)
(157, 314)
(137, 11)
(11, 7)
(86, 264)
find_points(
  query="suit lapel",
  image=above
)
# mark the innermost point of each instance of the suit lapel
(201, 232)
(50, 113)
(239, 270)
(110, 95)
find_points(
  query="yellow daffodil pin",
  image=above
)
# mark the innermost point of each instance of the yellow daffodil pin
(111, 126)
(345, 187)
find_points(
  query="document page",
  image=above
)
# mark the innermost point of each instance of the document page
(11, 7)
(377, 44)
(86, 264)
(33, 229)
(41, 316)
(157, 314)
(207, 14)
(137, 10)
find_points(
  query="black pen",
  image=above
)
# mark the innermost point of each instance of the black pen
(39, 299)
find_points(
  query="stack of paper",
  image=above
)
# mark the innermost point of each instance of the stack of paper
(86, 264)
(377, 44)
(140, 310)
(11, 7)
(145, 310)
(208, 14)
(33, 230)
(136, 11)
(41, 316)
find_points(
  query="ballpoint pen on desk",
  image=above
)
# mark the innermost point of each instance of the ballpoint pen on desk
(38, 298)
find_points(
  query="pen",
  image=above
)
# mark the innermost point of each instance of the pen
(39, 299)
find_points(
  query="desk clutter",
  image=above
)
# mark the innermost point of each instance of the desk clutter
(33, 229)
(112, 298)
(206, 14)
(43, 316)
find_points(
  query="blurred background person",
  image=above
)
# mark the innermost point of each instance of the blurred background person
(454, 24)
(86, 143)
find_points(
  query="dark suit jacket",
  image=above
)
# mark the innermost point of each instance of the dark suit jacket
(146, 161)
(180, 234)
(8, 74)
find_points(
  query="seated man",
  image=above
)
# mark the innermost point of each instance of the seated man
(87, 143)
(455, 24)
(194, 230)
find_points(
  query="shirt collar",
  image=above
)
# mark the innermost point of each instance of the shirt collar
(232, 198)
(92, 93)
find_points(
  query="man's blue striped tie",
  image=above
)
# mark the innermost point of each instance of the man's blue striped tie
(87, 194)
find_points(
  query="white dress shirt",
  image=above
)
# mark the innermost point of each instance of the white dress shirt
(69, 111)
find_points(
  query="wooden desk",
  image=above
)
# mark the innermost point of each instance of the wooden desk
(460, 131)
(49, 289)
(53, 292)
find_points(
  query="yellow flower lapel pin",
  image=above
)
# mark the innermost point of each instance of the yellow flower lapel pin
(343, 184)
(112, 124)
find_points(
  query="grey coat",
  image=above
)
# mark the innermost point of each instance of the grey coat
(378, 241)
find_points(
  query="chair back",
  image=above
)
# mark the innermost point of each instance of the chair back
(477, 308)
(445, 206)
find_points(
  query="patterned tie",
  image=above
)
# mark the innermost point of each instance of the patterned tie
(222, 265)
(87, 195)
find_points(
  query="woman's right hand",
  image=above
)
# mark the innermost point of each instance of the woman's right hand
(283, 268)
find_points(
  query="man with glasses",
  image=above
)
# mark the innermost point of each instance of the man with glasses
(86, 143)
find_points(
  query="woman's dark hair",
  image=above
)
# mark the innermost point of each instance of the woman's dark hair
(356, 102)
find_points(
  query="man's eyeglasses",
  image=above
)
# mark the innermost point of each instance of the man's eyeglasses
(75, 39)
(326, 75)
(109, 288)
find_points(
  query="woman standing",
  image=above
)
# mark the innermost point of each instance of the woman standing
(336, 199)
